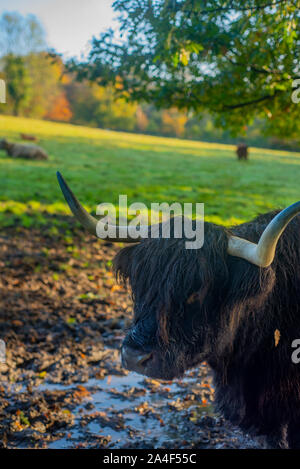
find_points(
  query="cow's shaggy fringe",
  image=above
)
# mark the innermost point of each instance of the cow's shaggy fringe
(206, 305)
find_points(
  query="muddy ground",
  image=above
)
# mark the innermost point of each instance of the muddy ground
(63, 318)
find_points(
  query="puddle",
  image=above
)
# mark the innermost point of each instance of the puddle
(128, 411)
(144, 407)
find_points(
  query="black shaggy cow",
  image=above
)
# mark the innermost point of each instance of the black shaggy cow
(242, 152)
(233, 303)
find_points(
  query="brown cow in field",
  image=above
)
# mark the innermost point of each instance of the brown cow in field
(29, 138)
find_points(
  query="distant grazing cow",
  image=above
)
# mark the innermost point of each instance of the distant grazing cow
(30, 138)
(242, 151)
(234, 303)
(20, 150)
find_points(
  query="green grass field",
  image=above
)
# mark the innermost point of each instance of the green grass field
(100, 165)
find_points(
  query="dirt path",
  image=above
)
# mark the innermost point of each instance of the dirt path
(63, 317)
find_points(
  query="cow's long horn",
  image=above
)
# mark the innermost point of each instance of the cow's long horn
(125, 234)
(263, 253)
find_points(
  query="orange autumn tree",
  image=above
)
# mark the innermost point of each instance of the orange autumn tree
(60, 110)
(173, 122)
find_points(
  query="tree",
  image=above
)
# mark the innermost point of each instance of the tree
(112, 113)
(22, 38)
(173, 122)
(60, 111)
(20, 35)
(142, 120)
(48, 81)
(98, 106)
(83, 103)
(235, 60)
(18, 83)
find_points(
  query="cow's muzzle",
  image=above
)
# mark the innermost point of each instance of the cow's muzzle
(134, 360)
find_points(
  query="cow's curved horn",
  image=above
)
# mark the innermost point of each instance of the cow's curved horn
(125, 234)
(263, 253)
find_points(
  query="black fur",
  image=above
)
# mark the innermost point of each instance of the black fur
(200, 305)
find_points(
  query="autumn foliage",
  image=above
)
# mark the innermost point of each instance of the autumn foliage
(60, 110)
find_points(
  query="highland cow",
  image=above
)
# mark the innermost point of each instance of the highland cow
(234, 303)
(242, 151)
(20, 150)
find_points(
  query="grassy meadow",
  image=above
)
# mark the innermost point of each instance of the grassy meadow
(101, 164)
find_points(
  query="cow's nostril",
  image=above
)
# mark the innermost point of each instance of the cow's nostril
(142, 361)
(134, 360)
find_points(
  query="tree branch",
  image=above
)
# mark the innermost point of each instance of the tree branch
(253, 101)
(249, 8)
(256, 69)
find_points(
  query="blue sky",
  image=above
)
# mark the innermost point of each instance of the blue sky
(69, 24)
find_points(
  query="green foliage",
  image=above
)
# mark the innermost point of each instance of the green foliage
(39, 86)
(99, 107)
(45, 75)
(34, 85)
(18, 83)
(236, 60)
(33, 78)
